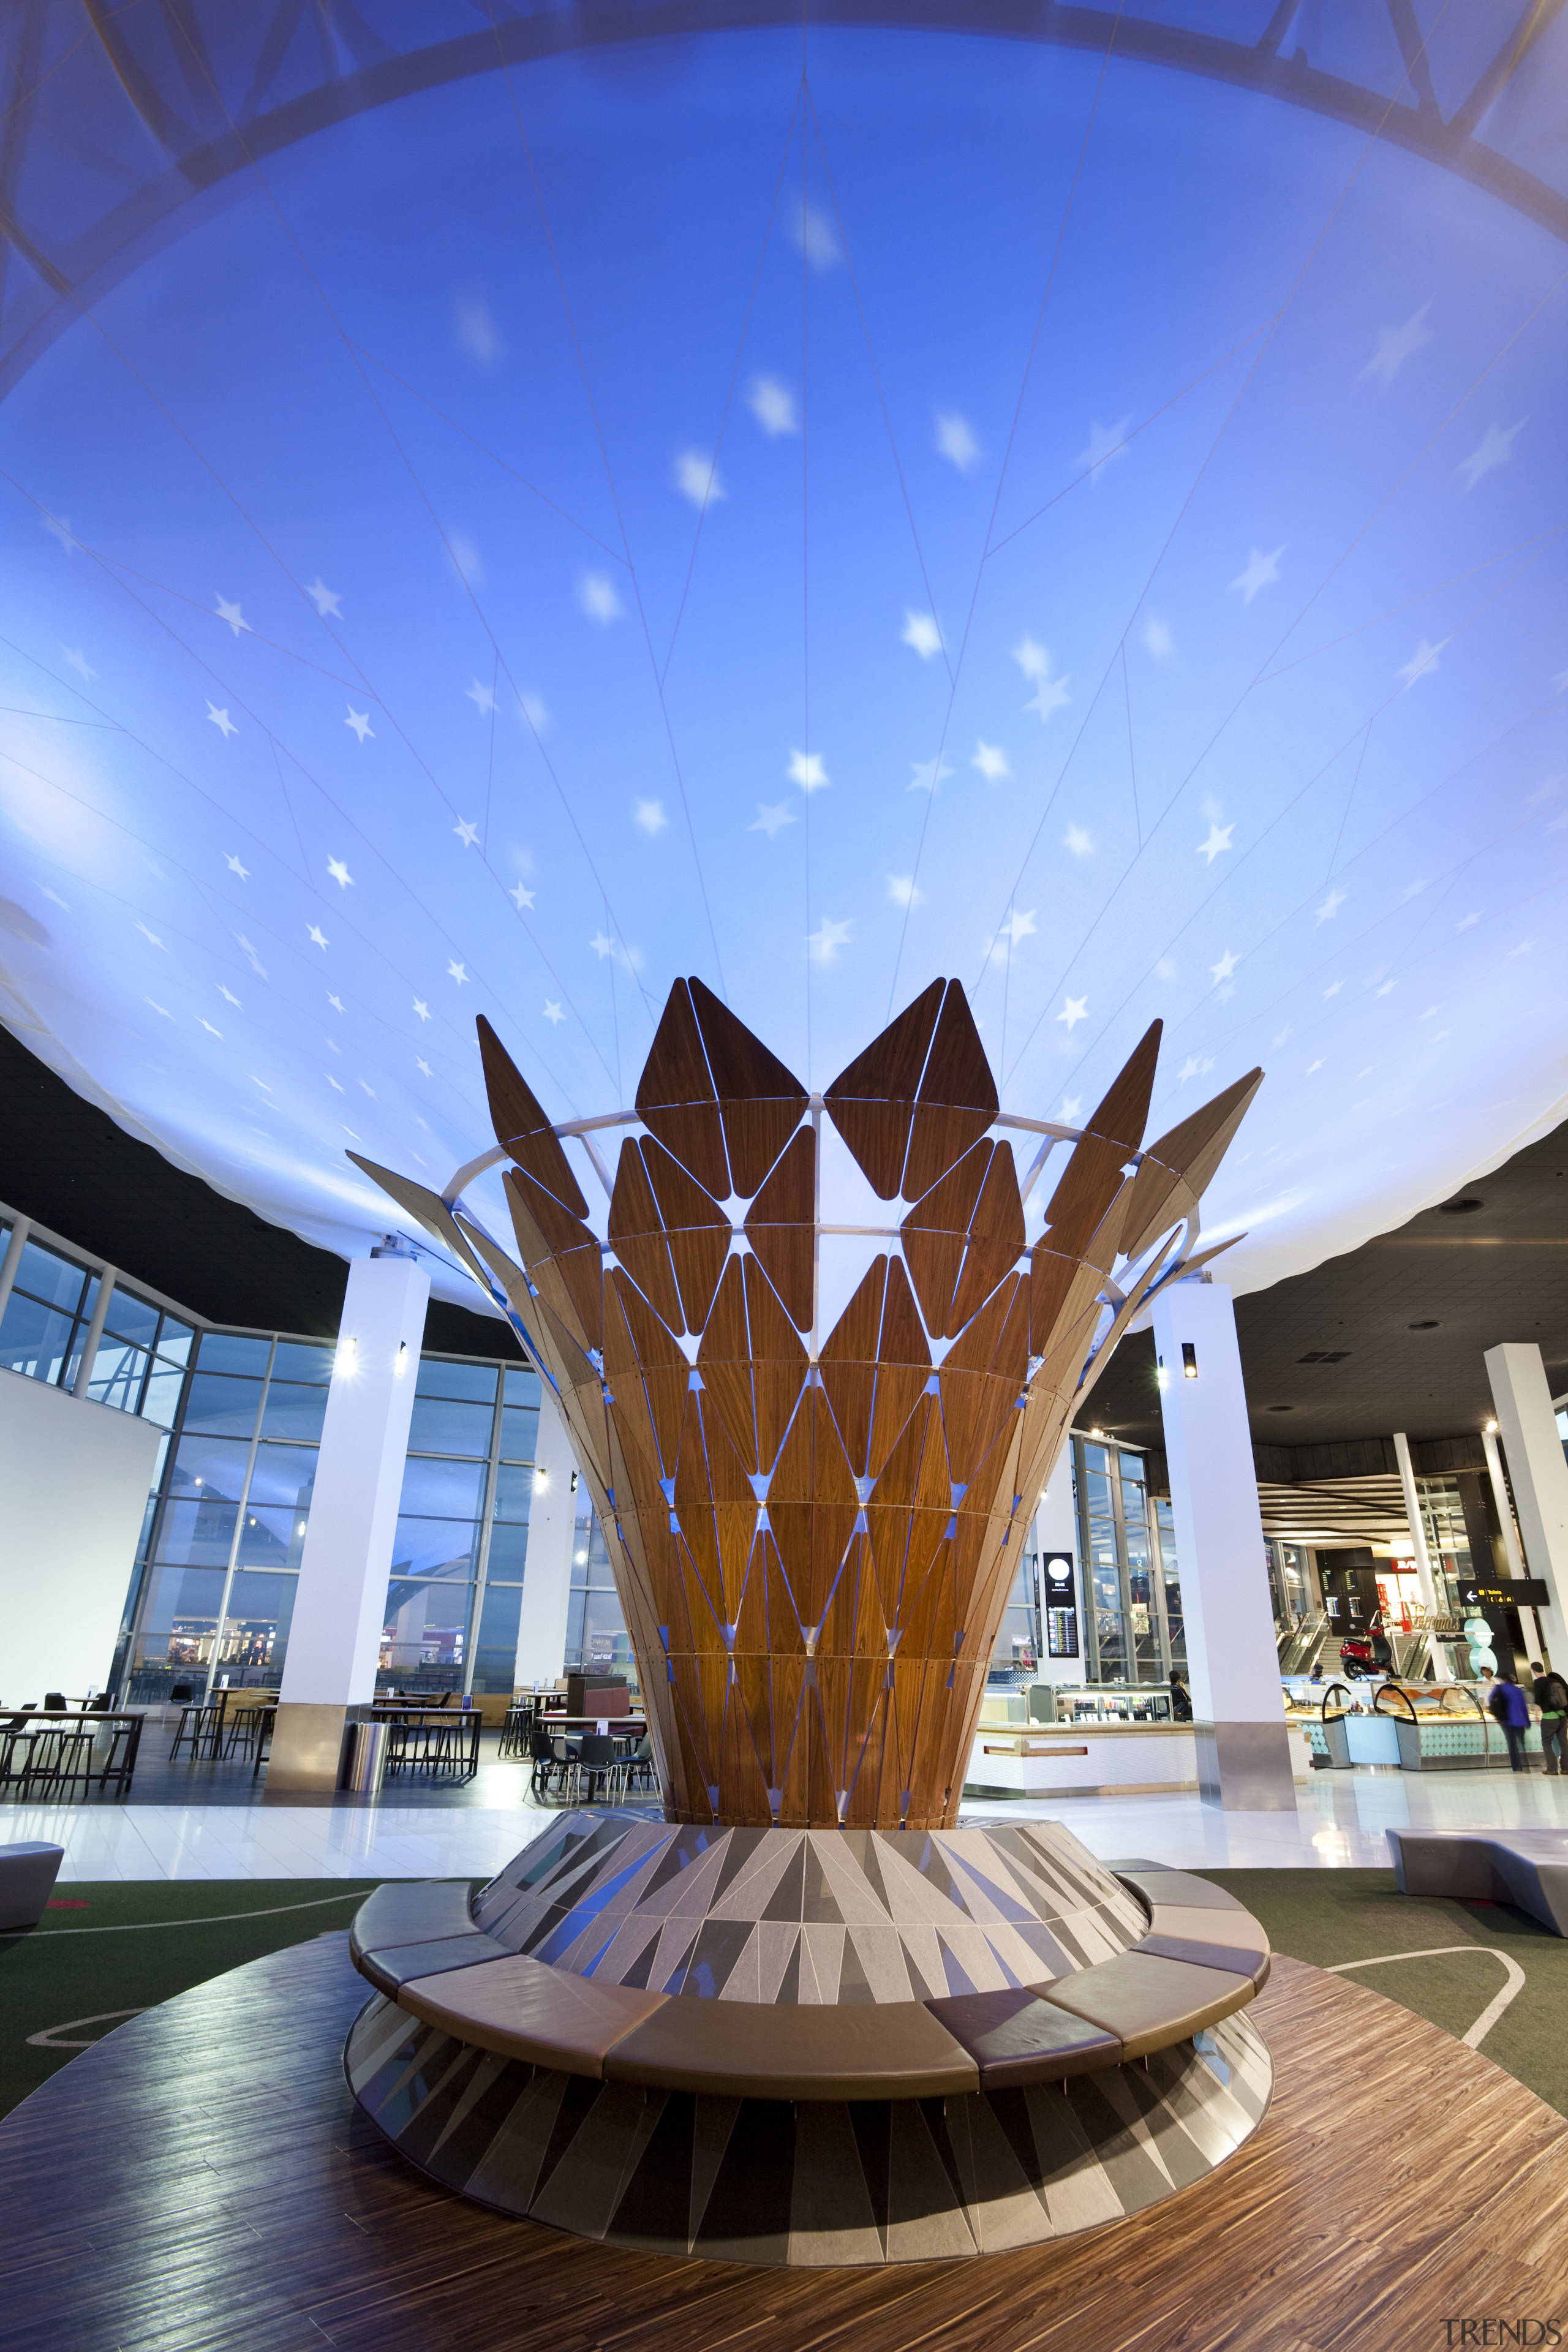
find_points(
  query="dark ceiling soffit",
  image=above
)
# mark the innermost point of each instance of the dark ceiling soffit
(117, 242)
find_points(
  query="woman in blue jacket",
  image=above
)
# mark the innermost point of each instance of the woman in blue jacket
(1511, 1708)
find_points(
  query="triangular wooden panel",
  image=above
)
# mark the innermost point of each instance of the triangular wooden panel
(812, 1507)
(751, 1618)
(869, 1709)
(903, 1368)
(675, 1098)
(848, 1363)
(571, 1278)
(659, 1363)
(637, 1236)
(871, 1103)
(957, 1096)
(779, 1226)
(1177, 1169)
(724, 1360)
(560, 1229)
(745, 1791)
(995, 1237)
(735, 1513)
(520, 1124)
(697, 1229)
(910, 1508)
(933, 1234)
(427, 1209)
(760, 1102)
(786, 1637)
(1089, 1184)
(1121, 1119)
(778, 1362)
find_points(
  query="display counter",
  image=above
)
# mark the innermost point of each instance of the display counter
(1085, 1759)
(1447, 1727)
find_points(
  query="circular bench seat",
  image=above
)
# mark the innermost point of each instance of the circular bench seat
(1201, 1957)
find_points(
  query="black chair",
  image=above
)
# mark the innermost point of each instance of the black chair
(54, 1702)
(639, 1764)
(182, 1694)
(598, 1758)
(103, 1704)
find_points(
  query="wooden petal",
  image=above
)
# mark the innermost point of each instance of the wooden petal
(957, 1096)
(637, 1235)
(871, 1103)
(760, 1101)
(674, 1095)
(521, 1126)
(779, 1226)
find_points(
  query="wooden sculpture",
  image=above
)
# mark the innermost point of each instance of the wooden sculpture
(814, 1534)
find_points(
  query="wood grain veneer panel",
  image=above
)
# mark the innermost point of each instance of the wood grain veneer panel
(675, 1096)
(657, 1359)
(779, 1226)
(521, 1126)
(957, 1098)
(752, 1616)
(871, 1102)
(787, 1636)
(734, 1509)
(637, 1236)
(869, 1709)
(761, 1100)
(812, 1506)
(934, 1232)
(910, 1509)
(427, 1209)
(903, 1369)
(570, 1268)
(847, 1361)
(995, 1237)
(697, 1230)
(724, 1362)
(1177, 1168)
(779, 1363)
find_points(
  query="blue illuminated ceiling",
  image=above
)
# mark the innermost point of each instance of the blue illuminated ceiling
(492, 531)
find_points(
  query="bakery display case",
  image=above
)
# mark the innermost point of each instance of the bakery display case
(1447, 1727)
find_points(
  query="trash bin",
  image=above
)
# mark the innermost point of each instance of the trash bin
(367, 1758)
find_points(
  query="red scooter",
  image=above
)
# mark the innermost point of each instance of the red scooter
(1364, 1654)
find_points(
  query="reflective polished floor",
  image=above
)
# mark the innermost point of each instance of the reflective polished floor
(1339, 1823)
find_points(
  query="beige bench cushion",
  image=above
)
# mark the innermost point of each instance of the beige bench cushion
(524, 2008)
(892, 2049)
(1017, 2037)
(1148, 2003)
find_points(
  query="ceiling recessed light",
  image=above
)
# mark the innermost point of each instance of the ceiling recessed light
(1429, 1325)
(1279, 1408)
(1465, 1207)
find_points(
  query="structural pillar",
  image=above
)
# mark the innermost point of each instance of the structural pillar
(329, 1678)
(1530, 1625)
(1233, 1659)
(1537, 1471)
(12, 1260)
(547, 1564)
(1426, 1582)
(94, 1339)
(1055, 1534)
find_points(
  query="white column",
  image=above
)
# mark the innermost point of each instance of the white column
(1426, 1582)
(94, 1339)
(1529, 1623)
(1233, 1661)
(13, 1259)
(339, 1609)
(1536, 1472)
(547, 1563)
(1056, 1530)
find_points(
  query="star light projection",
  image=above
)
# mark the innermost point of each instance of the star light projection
(813, 1515)
(616, 576)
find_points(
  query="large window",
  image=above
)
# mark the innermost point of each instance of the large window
(215, 1596)
(596, 1636)
(1126, 1538)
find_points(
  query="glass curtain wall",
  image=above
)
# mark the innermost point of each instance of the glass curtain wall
(597, 1637)
(1126, 1546)
(455, 1595)
(212, 1595)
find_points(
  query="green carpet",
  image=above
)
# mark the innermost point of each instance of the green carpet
(105, 1950)
(1331, 1916)
(120, 1947)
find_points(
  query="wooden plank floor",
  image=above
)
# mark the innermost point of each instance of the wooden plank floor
(203, 2180)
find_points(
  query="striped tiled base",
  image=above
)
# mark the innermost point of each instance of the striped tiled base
(814, 2183)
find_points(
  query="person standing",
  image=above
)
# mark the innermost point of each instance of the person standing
(1509, 1704)
(1549, 1693)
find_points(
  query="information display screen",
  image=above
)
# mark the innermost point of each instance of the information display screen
(1058, 1603)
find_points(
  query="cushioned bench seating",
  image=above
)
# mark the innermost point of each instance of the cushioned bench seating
(28, 1874)
(1528, 1868)
(1204, 1956)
